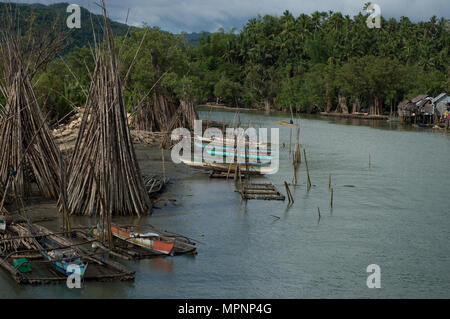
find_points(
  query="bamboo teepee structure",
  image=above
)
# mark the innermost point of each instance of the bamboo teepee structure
(104, 177)
(28, 152)
(164, 114)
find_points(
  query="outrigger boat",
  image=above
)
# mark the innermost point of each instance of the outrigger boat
(149, 240)
(62, 259)
(253, 168)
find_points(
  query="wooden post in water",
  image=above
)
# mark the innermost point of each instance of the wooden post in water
(290, 140)
(307, 170)
(246, 154)
(331, 198)
(296, 158)
(318, 212)
(329, 181)
(63, 196)
(163, 165)
(370, 164)
(288, 193)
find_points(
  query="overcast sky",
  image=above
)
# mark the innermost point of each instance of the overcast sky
(209, 15)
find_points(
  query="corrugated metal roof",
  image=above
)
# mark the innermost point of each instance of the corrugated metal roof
(419, 98)
(437, 98)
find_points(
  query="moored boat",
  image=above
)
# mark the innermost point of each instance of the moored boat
(291, 123)
(148, 240)
(64, 260)
(253, 168)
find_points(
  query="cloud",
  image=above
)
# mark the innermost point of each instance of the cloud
(209, 15)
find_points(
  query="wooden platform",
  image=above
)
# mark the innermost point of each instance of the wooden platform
(18, 243)
(261, 191)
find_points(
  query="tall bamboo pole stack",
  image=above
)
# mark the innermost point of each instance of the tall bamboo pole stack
(104, 176)
(28, 151)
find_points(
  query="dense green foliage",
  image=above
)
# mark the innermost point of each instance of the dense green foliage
(308, 63)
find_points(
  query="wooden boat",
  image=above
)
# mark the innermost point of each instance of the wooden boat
(154, 184)
(149, 240)
(62, 259)
(286, 123)
(254, 168)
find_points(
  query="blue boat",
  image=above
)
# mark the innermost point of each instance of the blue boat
(232, 148)
(64, 260)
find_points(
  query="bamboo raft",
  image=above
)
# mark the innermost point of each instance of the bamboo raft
(125, 249)
(260, 191)
(18, 242)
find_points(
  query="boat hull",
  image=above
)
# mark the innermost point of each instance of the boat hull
(225, 167)
(152, 244)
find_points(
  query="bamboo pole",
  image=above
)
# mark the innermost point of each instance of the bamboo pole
(331, 198)
(288, 193)
(163, 165)
(307, 170)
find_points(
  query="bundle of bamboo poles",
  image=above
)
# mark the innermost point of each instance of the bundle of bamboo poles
(25, 139)
(104, 177)
(163, 114)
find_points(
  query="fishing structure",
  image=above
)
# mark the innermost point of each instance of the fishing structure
(29, 153)
(104, 176)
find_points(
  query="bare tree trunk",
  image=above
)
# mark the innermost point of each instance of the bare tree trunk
(328, 106)
(342, 104)
(377, 101)
(356, 105)
(267, 105)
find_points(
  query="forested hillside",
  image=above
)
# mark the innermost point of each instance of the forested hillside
(310, 63)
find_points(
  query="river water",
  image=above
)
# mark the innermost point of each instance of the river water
(395, 214)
